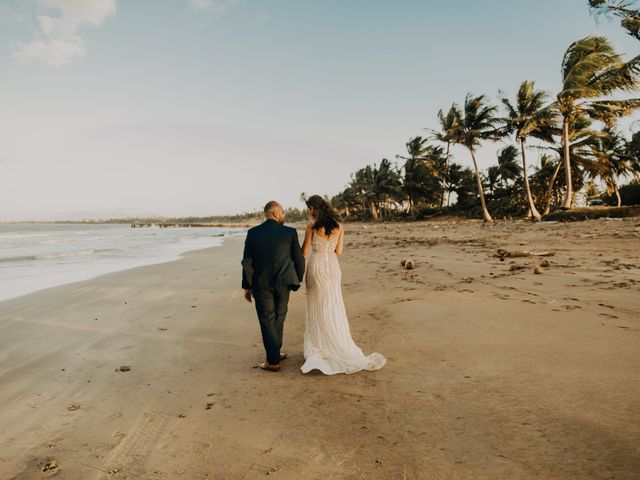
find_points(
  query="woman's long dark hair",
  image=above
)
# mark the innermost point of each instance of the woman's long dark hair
(326, 217)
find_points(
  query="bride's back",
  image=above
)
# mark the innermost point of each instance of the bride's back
(320, 243)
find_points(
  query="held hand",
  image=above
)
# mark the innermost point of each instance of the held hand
(247, 295)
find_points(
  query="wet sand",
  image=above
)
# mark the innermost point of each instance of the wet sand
(492, 372)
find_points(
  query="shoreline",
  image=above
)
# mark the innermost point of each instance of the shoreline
(89, 270)
(491, 373)
(100, 275)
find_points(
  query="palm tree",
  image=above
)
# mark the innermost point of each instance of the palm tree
(508, 168)
(613, 160)
(623, 9)
(476, 123)
(581, 137)
(461, 180)
(591, 70)
(387, 185)
(529, 117)
(423, 172)
(448, 124)
(361, 190)
(413, 166)
(493, 175)
(548, 198)
(547, 169)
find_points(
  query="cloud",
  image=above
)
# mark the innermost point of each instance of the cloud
(56, 26)
(92, 12)
(57, 42)
(215, 6)
(55, 52)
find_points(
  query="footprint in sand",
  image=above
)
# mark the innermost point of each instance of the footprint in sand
(606, 306)
(117, 439)
(142, 437)
(49, 465)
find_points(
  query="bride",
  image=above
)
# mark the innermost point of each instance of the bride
(328, 345)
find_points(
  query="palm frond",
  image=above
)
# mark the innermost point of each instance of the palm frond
(529, 116)
(624, 77)
(623, 9)
(592, 68)
(609, 111)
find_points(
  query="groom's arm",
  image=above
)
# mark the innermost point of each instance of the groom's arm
(247, 264)
(296, 255)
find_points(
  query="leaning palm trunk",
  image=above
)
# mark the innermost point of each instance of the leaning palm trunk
(373, 210)
(549, 194)
(616, 190)
(445, 185)
(567, 164)
(532, 207)
(485, 212)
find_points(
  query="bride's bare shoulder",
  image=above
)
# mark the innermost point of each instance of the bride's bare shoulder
(337, 231)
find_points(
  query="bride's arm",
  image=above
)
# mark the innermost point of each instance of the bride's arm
(308, 233)
(340, 244)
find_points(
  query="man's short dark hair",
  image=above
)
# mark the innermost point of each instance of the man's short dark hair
(271, 206)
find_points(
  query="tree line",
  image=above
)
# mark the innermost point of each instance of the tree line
(576, 132)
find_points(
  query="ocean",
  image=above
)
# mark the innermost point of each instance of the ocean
(36, 256)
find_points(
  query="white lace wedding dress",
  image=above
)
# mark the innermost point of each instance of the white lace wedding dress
(328, 345)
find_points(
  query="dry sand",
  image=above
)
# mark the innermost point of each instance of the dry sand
(491, 374)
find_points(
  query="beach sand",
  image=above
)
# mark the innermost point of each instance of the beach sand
(491, 373)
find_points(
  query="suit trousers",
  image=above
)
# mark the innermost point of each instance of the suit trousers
(271, 306)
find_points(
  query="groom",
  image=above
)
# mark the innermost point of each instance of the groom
(272, 266)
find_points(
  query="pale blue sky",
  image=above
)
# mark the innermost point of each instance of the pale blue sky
(196, 107)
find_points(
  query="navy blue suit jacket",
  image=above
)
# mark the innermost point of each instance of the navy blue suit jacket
(272, 257)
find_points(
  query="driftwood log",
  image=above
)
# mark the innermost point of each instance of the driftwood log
(502, 253)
